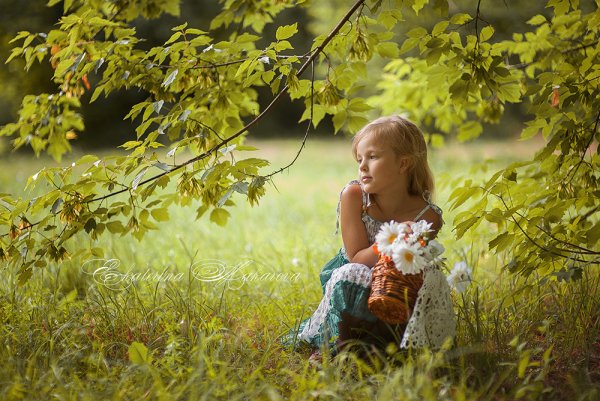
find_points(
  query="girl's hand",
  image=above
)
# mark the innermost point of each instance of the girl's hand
(367, 256)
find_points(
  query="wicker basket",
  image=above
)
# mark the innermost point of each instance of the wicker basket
(393, 294)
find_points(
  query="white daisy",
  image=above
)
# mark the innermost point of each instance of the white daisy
(387, 236)
(420, 228)
(408, 258)
(460, 276)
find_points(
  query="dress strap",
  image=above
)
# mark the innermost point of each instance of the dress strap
(422, 212)
(366, 202)
(430, 205)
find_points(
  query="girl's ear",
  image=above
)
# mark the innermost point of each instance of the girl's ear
(406, 163)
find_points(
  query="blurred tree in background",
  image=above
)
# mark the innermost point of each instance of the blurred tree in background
(105, 126)
(202, 86)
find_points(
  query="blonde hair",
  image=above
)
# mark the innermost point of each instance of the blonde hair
(406, 140)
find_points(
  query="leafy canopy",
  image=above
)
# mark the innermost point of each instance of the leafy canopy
(202, 99)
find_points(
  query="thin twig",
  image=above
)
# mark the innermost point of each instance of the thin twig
(581, 250)
(310, 121)
(540, 246)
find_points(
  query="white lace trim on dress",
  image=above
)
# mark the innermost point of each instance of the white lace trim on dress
(352, 272)
(432, 320)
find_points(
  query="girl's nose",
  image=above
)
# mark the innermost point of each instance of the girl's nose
(362, 166)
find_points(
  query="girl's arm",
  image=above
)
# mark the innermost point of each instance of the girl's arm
(354, 233)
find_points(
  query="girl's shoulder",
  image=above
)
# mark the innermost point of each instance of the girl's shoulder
(352, 184)
(353, 198)
(353, 194)
(353, 187)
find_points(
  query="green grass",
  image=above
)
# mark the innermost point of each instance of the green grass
(68, 334)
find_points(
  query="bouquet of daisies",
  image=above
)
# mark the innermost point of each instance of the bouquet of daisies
(408, 246)
(405, 250)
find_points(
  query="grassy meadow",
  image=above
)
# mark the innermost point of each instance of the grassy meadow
(196, 310)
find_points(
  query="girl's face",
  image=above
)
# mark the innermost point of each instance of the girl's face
(379, 168)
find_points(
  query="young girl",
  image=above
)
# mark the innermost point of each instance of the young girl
(395, 183)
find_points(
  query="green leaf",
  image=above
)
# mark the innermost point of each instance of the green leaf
(138, 354)
(460, 19)
(387, 49)
(418, 5)
(194, 31)
(469, 130)
(501, 242)
(510, 175)
(389, 18)
(86, 159)
(219, 216)
(20, 35)
(359, 105)
(463, 226)
(509, 93)
(115, 227)
(435, 43)
(533, 128)
(439, 28)
(339, 119)
(173, 37)
(160, 214)
(180, 27)
(486, 33)
(523, 363)
(593, 235)
(461, 195)
(130, 144)
(283, 45)
(417, 32)
(408, 44)
(286, 31)
(537, 20)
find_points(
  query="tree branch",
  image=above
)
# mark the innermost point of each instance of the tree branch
(209, 152)
(309, 61)
(540, 246)
(565, 51)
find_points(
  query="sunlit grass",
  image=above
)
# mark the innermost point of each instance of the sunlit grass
(68, 333)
